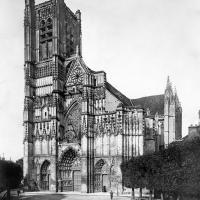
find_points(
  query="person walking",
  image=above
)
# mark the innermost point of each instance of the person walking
(18, 192)
(111, 194)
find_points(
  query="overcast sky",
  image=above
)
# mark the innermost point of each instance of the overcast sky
(138, 43)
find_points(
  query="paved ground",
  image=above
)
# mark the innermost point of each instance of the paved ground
(67, 196)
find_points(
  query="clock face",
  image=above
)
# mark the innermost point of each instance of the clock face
(77, 76)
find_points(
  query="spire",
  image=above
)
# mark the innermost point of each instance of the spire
(168, 90)
(175, 94)
(78, 15)
(178, 103)
(168, 79)
(169, 84)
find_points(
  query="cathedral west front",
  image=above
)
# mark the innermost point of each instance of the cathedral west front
(78, 128)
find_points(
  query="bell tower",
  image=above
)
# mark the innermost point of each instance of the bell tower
(52, 33)
(58, 30)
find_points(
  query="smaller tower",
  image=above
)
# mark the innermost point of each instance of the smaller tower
(172, 115)
(169, 114)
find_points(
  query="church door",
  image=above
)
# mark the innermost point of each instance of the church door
(45, 175)
(70, 172)
(98, 182)
(105, 182)
(101, 177)
(77, 180)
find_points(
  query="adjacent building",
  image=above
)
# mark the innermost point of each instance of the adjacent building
(194, 130)
(78, 127)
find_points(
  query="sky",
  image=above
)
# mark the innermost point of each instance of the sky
(138, 43)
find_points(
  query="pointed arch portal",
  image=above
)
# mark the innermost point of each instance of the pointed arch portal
(70, 171)
(45, 175)
(101, 176)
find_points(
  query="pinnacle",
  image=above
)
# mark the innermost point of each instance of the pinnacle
(169, 84)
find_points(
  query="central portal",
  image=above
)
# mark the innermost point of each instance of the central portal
(70, 172)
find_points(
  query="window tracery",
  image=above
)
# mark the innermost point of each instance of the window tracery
(76, 77)
(72, 133)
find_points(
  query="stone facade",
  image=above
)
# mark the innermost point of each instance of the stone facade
(78, 128)
(194, 130)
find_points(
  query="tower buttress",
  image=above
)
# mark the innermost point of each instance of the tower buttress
(29, 58)
(29, 28)
(59, 4)
(78, 15)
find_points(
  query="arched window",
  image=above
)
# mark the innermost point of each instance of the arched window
(67, 160)
(46, 34)
(49, 22)
(42, 25)
(99, 166)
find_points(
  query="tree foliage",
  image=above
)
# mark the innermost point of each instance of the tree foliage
(175, 170)
(10, 174)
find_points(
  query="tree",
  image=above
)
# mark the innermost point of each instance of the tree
(115, 178)
(174, 171)
(10, 175)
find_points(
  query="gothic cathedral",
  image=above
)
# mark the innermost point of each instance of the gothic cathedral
(78, 128)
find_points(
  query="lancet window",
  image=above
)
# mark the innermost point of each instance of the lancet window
(46, 35)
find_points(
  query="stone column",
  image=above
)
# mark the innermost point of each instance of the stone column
(87, 148)
(53, 166)
(84, 164)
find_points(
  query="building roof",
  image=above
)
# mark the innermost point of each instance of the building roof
(126, 101)
(154, 103)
